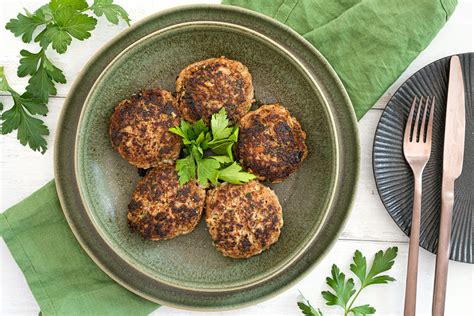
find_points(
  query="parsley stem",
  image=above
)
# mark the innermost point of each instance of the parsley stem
(353, 300)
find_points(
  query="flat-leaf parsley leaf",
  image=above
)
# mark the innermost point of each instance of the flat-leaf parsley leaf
(31, 131)
(234, 174)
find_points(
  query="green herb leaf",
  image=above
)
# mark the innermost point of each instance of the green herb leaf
(53, 34)
(198, 128)
(222, 159)
(68, 22)
(224, 148)
(205, 142)
(219, 123)
(197, 152)
(25, 25)
(235, 135)
(223, 137)
(186, 169)
(53, 72)
(215, 143)
(179, 130)
(4, 86)
(28, 63)
(111, 11)
(31, 131)
(73, 4)
(33, 106)
(343, 290)
(78, 25)
(207, 169)
(40, 85)
(309, 310)
(42, 72)
(383, 261)
(363, 310)
(11, 120)
(229, 151)
(200, 138)
(359, 267)
(189, 132)
(235, 175)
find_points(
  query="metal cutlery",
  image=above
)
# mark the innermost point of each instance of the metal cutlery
(417, 150)
(453, 155)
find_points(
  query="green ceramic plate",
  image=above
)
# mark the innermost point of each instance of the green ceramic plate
(95, 184)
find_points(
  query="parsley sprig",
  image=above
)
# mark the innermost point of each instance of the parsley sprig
(198, 164)
(343, 292)
(54, 24)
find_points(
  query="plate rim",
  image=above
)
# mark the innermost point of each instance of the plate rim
(354, 151)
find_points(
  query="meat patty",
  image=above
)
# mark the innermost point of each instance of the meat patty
(161, 209)
(139, 128)
(271, 143)
(204, 87)
(243, 220)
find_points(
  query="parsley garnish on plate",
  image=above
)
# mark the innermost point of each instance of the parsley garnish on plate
(208, 153)
(343, 292)
(54, 24)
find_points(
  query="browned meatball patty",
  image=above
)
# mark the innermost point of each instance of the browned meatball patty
(243, 220)
(139, 128)
(160, 209)
(204, 87)
(271, 143)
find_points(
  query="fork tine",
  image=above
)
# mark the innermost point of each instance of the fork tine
(417, 121)
(423, 121)
(429, 131)
(409, 122)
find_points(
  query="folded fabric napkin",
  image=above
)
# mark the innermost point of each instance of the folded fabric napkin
(368, 42)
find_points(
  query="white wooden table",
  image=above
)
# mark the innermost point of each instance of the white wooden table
(369, 228)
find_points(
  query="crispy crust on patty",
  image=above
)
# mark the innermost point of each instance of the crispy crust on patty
(243, 220)
(206, 86)
(271, 143)
(139, 128)
(160, 209)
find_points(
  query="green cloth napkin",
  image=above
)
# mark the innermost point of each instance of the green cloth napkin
(62, 277)
(368, 42)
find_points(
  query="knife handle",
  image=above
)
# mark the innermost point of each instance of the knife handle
(442, 257)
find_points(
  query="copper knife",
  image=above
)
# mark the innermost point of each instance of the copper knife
(453, 155)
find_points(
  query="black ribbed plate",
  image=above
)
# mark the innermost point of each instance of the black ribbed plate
(394, 177)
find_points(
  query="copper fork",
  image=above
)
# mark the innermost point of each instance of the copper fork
(417, 149)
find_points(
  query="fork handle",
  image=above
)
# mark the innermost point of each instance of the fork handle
(442, 256)
(413, 250)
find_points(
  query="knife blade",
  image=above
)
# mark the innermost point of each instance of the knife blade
(455, 127)
(453, 154)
